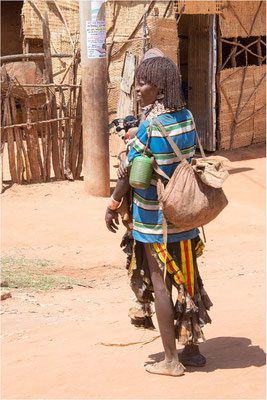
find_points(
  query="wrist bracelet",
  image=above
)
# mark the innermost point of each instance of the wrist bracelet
(113, 204)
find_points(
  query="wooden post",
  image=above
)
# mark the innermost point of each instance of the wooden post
(233, 59)
(94, 98)
(259, 51)
(52, 98)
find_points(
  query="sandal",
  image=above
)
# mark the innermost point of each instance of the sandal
(198, 360)
(164, 368)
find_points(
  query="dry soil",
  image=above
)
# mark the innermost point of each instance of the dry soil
(79, 344)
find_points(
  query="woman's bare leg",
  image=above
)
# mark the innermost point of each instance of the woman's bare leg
(165, 317)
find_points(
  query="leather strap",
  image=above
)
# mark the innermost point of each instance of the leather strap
(198, 138)
(175, 148)
(148, 137)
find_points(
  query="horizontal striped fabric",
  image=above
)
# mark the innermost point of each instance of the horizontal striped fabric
(147, 215)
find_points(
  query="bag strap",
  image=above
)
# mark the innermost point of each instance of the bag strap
(148, 137)
(198, 138)
(175, 148)
(173, 144)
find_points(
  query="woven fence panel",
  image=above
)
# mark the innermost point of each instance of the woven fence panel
(122, 17)
(253, 130)
(200, 7)
(60, 42)
(260, 100)
(163, 34)
(32, 25)
(238, 16)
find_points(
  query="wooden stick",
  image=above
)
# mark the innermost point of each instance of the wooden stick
(180, 14)
(228, 57)
(241, 45)
(43, 139)
(77, 55)
(58, 9)
(36, 9)
(52, 85)
(237, 108)
(147, 11)
(259, 51)
(61, 132)
(255, 16)
(167, 9)
(117, 6)
(76, 137)
(10, 144)
(76, 102)
(31, 145)
(252, 94)
(48, 137)
(20, 167)
(31, 56)
(237, 17)
(48, 121)
(144, 37)
(52, 103)
(128, 40)
(37, 146)
(3, 141)
(250, 116)
(249, 45)
(40, 16)
(218, 77)
(109, 54)
(80, 159)
(228, 102)
(24, 150)
(233, 73)
(233, 59)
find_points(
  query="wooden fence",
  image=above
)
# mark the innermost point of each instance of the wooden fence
(43, 138)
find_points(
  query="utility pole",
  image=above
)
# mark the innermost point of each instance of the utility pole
(94, 97)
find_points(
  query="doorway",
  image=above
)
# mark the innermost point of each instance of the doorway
(11, 39)
(197, 58)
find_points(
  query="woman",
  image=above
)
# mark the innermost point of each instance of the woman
(159, 85)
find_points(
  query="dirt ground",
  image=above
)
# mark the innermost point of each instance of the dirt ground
(54, 343)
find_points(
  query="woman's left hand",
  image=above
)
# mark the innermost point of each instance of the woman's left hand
(122, 171)
(111, 219)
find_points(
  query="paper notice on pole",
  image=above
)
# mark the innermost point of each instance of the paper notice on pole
(96, 39)
(95, 8)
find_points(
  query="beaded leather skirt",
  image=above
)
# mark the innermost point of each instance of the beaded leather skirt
(180, 260)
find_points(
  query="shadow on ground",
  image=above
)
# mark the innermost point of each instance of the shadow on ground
(225, 353)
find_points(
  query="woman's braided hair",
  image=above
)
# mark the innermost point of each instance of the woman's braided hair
(163, 73)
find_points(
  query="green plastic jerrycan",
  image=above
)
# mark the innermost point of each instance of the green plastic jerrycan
(141, 172)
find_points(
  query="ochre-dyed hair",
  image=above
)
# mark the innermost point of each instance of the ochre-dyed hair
(163, 73)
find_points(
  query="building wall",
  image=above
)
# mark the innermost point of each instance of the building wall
(60, 41)
(123, 19)
(11, 40)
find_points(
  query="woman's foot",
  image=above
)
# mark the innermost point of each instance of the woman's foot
(165, 368)
(191, 356)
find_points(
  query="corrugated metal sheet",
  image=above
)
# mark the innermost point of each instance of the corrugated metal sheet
(201, 77)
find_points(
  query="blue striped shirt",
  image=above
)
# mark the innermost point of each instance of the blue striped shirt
(147, 213)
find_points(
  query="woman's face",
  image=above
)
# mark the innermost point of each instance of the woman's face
(146, 93)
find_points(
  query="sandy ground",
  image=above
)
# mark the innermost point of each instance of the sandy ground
(54, 343)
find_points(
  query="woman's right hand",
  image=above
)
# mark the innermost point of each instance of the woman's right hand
(122, 171)
(112, 220)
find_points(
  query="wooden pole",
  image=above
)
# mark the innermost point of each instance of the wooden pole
(94, 98)
(259, 51)
(31, 56)
(52, 103)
